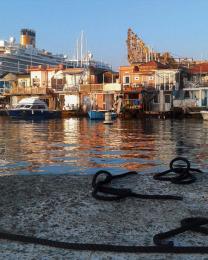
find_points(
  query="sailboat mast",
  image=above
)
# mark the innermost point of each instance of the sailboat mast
(81, 48)
(77, 52)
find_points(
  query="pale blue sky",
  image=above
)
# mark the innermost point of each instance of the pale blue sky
(180, 26)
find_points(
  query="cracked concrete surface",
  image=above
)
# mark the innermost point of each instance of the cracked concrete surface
(61, 208)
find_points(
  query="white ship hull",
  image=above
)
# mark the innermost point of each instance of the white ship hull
(17, 58)
(15, 63)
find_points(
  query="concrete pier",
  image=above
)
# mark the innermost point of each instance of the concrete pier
(61, 208)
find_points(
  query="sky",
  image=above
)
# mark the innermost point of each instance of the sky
(178, 26)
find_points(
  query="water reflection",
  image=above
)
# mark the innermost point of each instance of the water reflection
(81, 146)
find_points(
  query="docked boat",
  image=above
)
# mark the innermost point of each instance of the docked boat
(100, 114)
(204, 114)
(32, 108)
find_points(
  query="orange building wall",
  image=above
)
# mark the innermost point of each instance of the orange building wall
(137, 77)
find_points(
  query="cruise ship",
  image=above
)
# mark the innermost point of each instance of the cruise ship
(17, 57)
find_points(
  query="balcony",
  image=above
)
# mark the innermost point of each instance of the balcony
(132, 103)
(134, 88)
(91, 88)
(195, 84)
(28, 91)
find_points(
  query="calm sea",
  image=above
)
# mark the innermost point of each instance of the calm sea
(81, 146)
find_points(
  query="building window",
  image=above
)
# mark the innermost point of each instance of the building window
(23, 83)
(136, 85)
(136, 69)
(156, 99)
(151, 77)
(144, 83)
(36, 82)
(126, 79)
(186, 94)
(167, 98)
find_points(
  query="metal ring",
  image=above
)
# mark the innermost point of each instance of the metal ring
(180, 159)
(105, 181)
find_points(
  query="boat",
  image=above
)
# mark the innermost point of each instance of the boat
(204, 114)
(32, 108)
(16, 58)
(100, 114)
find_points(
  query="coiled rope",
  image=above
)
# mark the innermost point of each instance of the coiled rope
(192, 224)
(183, 175)
(103, 192)
(109, 194)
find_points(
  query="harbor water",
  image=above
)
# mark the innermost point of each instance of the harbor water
(81, 146)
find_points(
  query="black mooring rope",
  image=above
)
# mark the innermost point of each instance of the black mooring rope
(103, 192)
(183, 175)
(192, 224)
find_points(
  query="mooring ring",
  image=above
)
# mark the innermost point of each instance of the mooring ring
(108, 178)
(180, 159)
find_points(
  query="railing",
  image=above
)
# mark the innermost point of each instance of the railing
(185, 103)
(71, 88)
(65, 88)
(196, 84)
(57, 88)
(92, 63)
(131, 88)
(44, 90)
(27, 90)
(91, 88)
(139, 87)
(132, 103)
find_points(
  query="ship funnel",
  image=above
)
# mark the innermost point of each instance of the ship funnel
(27, 37)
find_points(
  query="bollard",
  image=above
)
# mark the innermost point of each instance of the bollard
(108, 118)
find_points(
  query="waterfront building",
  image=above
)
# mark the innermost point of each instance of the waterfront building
(100, 91)
(150, 86)
(196, 85)
(154, 81)
(23, 80)
(7, 80)
(168, 83)
(67, 88)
